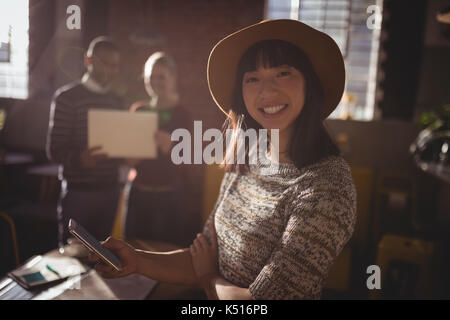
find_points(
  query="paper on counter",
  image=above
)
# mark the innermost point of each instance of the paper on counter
(93, 287)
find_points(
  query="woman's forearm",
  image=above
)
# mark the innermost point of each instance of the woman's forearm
(217, 288)
(207, 283)
(176, 267)
(171, 267)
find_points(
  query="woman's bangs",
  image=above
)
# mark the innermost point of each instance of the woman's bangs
(268, 54)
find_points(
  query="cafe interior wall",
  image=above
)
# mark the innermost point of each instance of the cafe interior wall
(188, 31)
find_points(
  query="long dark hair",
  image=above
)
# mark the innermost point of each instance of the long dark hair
(310, 142)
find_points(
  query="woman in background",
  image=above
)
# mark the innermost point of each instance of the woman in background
(157, 209)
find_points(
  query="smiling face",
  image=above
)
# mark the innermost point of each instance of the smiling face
(104, 65)
(160, 81)
(276, 87)
(271, 89)
(274, 96)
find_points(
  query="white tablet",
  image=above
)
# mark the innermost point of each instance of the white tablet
(123, 134)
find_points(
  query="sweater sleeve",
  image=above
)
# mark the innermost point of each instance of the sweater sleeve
(320, 222)
(59, 144)
(223, 187)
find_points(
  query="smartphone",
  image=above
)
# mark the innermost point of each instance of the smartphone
(94, 245)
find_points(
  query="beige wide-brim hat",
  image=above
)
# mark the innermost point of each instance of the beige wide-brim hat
(320, 48)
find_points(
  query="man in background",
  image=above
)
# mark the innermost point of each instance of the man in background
(90, 187)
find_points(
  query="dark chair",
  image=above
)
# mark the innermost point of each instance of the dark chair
(9, 250)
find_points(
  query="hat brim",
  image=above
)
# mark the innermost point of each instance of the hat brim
(320, 48)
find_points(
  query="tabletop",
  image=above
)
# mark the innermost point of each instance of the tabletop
(91, 286)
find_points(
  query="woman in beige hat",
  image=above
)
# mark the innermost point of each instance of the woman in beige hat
(277, 227)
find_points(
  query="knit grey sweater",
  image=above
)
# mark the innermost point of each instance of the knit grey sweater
(280, 229)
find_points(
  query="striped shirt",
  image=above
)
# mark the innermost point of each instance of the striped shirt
(280, 229)
(67, 136)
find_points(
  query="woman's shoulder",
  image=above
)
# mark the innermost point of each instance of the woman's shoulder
(181, 112)
(181, 116)
(328, 186)
(140, 105)
(331, 174)
(329, 168)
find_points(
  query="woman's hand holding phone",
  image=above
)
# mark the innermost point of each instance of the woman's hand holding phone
(124, 251)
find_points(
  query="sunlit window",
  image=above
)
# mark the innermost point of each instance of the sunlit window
(14, 49)
(355, 26)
